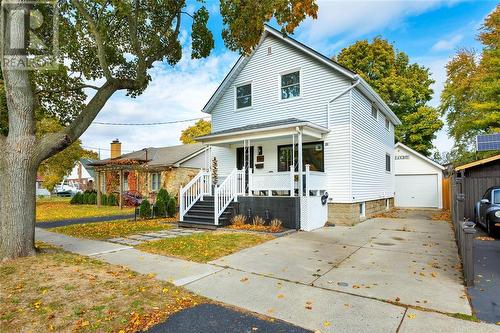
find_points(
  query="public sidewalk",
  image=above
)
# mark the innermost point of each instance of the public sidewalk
(307, 306)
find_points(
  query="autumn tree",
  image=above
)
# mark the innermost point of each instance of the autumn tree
(404, 86)
(105, 46)
(471, 96)
(201, 127)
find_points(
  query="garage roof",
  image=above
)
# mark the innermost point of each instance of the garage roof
(476, 163)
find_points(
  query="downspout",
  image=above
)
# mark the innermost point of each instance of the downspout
(353, 85)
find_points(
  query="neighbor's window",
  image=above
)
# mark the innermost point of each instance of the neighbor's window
(312, 154)
(387, 162)
(374, 111)
(244, 96)
(125, 181)
(155, 181)
(290, 85)
(387, 123)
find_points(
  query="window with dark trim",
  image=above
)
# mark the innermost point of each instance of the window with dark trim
(244, 96)
(312, 154)
(290, 85)
(387, 123)
(387, 162)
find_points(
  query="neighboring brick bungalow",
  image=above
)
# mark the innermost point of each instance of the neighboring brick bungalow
(147, 170)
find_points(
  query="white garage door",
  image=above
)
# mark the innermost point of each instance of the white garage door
(417, 191)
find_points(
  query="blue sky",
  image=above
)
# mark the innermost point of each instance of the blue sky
(430, 32)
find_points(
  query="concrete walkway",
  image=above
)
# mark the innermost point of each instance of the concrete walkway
(335, 279)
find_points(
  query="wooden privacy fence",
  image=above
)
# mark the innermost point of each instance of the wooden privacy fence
(464, 230)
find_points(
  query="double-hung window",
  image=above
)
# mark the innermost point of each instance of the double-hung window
(387, 124)
(155, 181)
(244, 96)
(374, 111)
(290, 85)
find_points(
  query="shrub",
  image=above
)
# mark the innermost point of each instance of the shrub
(276, 225)
(258, 221)
(92, 198)
(171, 207)
(112, 200)
(86, 196)
(104, 199)
(75, 200)
(145, 209)
(239, 220)
(161, 207)
(163, 195)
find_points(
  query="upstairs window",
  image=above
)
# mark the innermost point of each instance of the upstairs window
(387, 123)
(387, 162)
(374, 111)
(244, 96)
(290, 85)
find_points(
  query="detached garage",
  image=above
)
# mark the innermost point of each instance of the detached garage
(418, 179)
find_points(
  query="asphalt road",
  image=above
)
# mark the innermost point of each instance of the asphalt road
(485, 295)
(212, 318)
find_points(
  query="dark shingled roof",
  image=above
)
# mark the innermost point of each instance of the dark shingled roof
(155, 157)
(269, 124)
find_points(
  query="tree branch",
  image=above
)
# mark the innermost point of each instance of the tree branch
(53, 143)
(101, 54)
(83, 86)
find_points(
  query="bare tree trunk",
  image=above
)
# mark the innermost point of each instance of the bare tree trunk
(17, 205)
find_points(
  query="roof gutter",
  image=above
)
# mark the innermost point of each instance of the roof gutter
(353, 85)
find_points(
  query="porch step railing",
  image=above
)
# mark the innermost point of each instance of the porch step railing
(199, 186)
(225, 193)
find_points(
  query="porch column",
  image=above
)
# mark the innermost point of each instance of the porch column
(299, 148)
(121, 189)
(98, 184)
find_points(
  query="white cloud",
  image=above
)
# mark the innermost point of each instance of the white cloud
(174, 94)
(447, 44)
(355, 18)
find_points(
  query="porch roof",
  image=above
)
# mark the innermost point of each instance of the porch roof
(265, 130)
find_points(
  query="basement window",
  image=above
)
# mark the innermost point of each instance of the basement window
(362, 209)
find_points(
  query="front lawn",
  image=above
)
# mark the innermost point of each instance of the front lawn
(56, 291)
(55, 209)
(204, 247)
(120, 228)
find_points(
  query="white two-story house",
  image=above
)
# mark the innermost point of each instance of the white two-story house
(295, 136)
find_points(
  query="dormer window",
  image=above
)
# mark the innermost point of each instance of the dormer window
(290, 85)
(244, 96)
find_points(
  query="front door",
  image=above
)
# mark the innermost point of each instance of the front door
(240, 160)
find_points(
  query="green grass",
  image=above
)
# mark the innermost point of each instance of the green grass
(464, 316)
(56, 209)
(204, 247)
(120, 228)
(56, 291)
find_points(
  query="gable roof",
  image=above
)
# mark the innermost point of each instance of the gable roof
(364, 87)
(425, 158)
(480, 162)
(156, 157)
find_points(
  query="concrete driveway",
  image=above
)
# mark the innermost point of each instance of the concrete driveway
(349, 275)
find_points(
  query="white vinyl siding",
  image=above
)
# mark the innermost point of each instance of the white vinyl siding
(319, 84)
(371, 141)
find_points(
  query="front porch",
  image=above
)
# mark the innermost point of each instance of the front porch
(261, 162)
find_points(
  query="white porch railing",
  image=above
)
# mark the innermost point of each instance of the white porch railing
(199, 186)
(231, 187)
(288, 181)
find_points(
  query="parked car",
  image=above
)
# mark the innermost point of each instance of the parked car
(487, 210)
